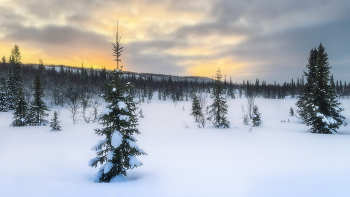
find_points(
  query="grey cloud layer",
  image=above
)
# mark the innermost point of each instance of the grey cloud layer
(279, 34)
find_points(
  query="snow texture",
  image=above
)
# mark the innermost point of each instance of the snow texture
(99, 174)
(97, 146)
(117, 138)
(110, 155)
(132, 144)
(93, 160)
(141, 151)
(107, 167)
(106, 111)
(276, 160)
(134, 162)
(124, 117)
(122, 105)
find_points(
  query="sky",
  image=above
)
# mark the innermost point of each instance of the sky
(246, 39)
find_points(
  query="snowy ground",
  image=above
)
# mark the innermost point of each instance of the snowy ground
(277, 159)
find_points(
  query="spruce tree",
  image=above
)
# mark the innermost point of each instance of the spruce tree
(21, 111)
(196, 108)
(38, 106)
(54, 124)
(118, 151)
(15, 62)
(218, 109)
(3, 101)
(317, 105)
(256, 118)
(11, 91)
(305, 101)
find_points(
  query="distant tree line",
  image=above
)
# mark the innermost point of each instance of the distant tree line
(81, 87)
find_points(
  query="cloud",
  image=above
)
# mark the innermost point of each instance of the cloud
(250, 39)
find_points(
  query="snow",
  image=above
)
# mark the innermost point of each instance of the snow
(110, 155)
(274, 160)
(97, 146)
(132, 144)
(327, 120)
(122, 105)
(99, 174)
(93, 160)
(134, 162)
(124, 117)
(117, 138)
(106, 111)
(114, 90)
(108, 167)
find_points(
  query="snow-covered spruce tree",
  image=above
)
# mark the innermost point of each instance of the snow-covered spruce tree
(196, 108)
(20, 114)
(117, 152)
(54, 124)
(3, 101)
(10, 90)
(15, 63)
(198, 105)
(305, 101)
(218, 109)
(317, 104)
(256, 118)
(38, 106)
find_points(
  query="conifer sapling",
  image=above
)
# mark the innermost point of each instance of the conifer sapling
(256, 118)
(54, 124)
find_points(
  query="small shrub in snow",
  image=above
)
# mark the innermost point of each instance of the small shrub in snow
(245, 119)
(291, 112)
(141, 114)
(256, 117)
(245, 116)
(54, 124)
(185, 125)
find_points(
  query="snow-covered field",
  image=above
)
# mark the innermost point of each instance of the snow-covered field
(278, 159)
